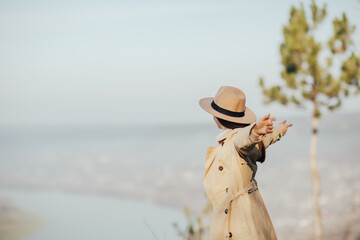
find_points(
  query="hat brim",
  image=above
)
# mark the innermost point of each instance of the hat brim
(249, 116)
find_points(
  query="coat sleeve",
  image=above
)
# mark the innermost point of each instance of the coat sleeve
(274, 136)
(245, 140)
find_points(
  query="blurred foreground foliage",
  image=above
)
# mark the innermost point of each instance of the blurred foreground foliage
(197, 227)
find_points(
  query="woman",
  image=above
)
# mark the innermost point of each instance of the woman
(238, 208)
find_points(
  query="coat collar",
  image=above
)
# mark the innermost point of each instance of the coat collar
(223, 135)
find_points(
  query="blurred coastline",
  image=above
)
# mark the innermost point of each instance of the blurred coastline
(164, 165)
(16, 223)
(74, 216)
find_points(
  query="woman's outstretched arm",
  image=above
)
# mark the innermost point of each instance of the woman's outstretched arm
(247, 137)
(278, 132)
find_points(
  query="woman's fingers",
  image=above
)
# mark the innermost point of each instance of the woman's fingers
(269, 121)
(272, 119)
(265, 124)
(265, 117)
(286, 125)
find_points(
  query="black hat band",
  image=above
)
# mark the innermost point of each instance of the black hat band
(226, 112)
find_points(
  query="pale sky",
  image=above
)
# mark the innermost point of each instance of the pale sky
(115, 62)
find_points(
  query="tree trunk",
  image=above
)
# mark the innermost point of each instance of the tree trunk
(316, 180)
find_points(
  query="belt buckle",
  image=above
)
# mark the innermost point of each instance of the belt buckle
(253, 188)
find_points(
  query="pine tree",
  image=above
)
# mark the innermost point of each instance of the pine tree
(315, 74)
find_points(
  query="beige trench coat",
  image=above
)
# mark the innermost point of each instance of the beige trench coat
(238, 208)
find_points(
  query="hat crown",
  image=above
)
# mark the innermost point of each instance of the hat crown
(230, 98)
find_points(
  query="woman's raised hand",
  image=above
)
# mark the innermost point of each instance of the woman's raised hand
(264, 125)
(285, 127)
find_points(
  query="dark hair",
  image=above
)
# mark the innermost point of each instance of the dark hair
(231, 125)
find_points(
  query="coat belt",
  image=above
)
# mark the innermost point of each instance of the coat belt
(250, 188)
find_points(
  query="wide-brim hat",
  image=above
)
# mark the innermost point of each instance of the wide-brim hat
(229, 104)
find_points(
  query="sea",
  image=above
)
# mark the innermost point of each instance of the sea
(135, 182)
(69, 215)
